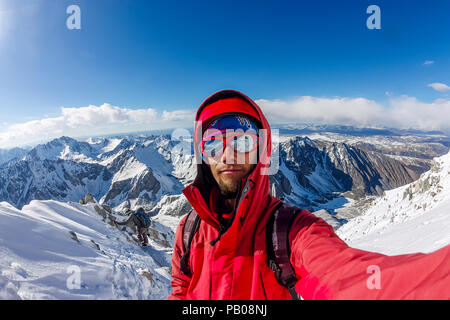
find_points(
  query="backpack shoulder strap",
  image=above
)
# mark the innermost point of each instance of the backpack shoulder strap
(278, 248)
(190, 228)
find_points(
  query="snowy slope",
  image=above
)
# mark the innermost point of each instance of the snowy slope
(43, 246)
(412, 218)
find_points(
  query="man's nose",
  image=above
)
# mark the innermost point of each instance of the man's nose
(228, 155)
(231, 156)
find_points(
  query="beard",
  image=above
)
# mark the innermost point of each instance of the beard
(227, 191)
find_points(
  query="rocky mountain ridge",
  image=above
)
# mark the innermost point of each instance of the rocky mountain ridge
(143, 170)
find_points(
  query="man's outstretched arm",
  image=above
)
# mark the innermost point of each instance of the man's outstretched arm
(327, 268)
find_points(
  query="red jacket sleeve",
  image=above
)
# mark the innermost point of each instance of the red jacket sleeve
(180, 282)
(327, 268)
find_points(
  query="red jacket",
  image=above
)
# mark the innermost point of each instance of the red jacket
(236, 267)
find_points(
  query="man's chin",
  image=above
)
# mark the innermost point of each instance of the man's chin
(227, 191)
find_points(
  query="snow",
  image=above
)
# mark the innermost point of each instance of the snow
(40, 258)
(112, 144)
(425, 233)
(321, 179)
(131, 169)
(412, 218)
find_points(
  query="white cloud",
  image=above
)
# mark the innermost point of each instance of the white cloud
(428, 62)
(91, 120)
(441, 87)
(106, 114)
(408, 112)
(340, 110)
(400, 112)
(178, 115)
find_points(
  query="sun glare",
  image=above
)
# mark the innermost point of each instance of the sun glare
(5, 20)
(2, 21)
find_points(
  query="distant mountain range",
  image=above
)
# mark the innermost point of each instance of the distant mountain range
(114, 170)
(300, 129)
(127, 171)
(9, 154)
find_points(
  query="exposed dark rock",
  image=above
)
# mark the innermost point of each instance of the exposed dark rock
(89, 198)
(74, 237)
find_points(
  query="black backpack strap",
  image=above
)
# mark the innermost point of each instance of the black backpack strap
(189, 229)
(278, 247)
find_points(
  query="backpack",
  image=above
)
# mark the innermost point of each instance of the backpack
(277, 244)
(144, 219)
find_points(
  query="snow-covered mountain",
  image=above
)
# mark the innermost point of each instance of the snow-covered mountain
(9, 154)
(127, 171)
(411, 218)
(412, 147)
(117, 171)
(346, 130)
(55, 250)
(315, 172)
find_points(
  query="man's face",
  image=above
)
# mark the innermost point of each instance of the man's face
(230, 167)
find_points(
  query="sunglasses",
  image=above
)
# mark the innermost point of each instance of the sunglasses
(242, 142)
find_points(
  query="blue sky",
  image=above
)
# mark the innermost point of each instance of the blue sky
(170, 55)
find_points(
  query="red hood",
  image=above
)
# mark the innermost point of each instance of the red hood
(254, 202)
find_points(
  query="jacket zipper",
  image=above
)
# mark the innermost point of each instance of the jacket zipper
(222, 229)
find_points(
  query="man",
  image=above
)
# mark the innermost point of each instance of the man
(140, 223)
(228, 254)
